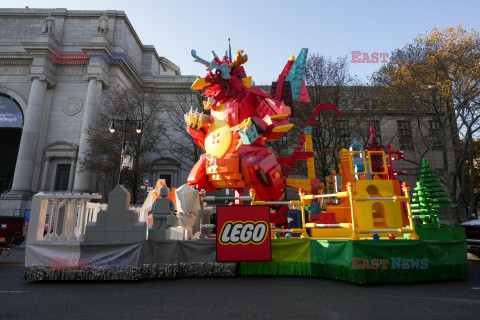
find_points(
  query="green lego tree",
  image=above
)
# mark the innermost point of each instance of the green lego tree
(428, 196)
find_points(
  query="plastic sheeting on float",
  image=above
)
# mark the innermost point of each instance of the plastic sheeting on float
(119, 255)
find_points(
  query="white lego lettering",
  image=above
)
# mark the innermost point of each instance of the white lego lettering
(235, 235)
(246, 234)
(243, 232)
(259, 232)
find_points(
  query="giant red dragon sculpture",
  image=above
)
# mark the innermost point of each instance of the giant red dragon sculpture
(242, 118)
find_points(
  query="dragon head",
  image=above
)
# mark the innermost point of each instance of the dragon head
(224, 79)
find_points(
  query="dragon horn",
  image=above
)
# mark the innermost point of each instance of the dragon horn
(229, 50)
(240, 59)
(209, 65)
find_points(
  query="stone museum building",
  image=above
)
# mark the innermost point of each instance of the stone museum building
(47, 102)
(55, 65)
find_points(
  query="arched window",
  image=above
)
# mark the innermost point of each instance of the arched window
(11, 115)
(11, 123)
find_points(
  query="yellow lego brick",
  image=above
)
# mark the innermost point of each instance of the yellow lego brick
(283, 128)
(247, 82)
(311, 168)
(279, 116)
(305, 184)
(308, 143)
(199, 84)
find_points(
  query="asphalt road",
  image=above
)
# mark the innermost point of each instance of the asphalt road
(234, 298)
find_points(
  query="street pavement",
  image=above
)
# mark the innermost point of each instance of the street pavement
(234, 298)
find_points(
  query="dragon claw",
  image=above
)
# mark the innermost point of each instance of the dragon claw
(195, 119)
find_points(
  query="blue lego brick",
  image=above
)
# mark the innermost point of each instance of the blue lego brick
(249, 135)
(314, 207)
(295, 76)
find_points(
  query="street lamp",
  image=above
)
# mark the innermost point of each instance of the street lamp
(139, 127)
(125, 123)
(112, 127)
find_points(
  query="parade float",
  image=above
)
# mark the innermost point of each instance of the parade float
(356, 226)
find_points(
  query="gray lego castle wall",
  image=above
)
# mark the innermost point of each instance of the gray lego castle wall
(118, 223)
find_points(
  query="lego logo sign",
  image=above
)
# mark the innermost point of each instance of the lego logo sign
(244, 233)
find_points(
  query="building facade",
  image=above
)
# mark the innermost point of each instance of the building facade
(54, 67)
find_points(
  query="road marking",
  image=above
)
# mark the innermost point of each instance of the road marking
(12, 265)
(474, 288)
(15, 291)
(441, 299)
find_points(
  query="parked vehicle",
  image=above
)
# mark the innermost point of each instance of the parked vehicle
(45, 228)
(472, 230)
(11, 233)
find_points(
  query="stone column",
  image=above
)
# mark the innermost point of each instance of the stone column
(92, 103)
(22, 178)
(72, 173)
(45, 174)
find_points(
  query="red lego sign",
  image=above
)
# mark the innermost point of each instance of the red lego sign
(243, 233)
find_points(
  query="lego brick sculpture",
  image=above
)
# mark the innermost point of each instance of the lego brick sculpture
(162, 210)
(118, 223)
(358, 159)
(242, 118)
(375, 145)
(428, 197)
(188, 206)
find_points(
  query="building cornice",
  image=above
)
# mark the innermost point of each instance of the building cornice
(164, 62)
(44, 44)
(8, 58)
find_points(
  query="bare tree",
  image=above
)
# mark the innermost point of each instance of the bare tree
(177, 142)
(104, 155)
(329, 80)
(438, 75)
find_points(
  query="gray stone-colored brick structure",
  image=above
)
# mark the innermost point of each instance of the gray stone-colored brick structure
(118, 223)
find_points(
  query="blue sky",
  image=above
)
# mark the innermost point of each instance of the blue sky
(270, 31)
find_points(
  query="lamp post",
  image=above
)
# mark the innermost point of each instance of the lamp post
(125, 123)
